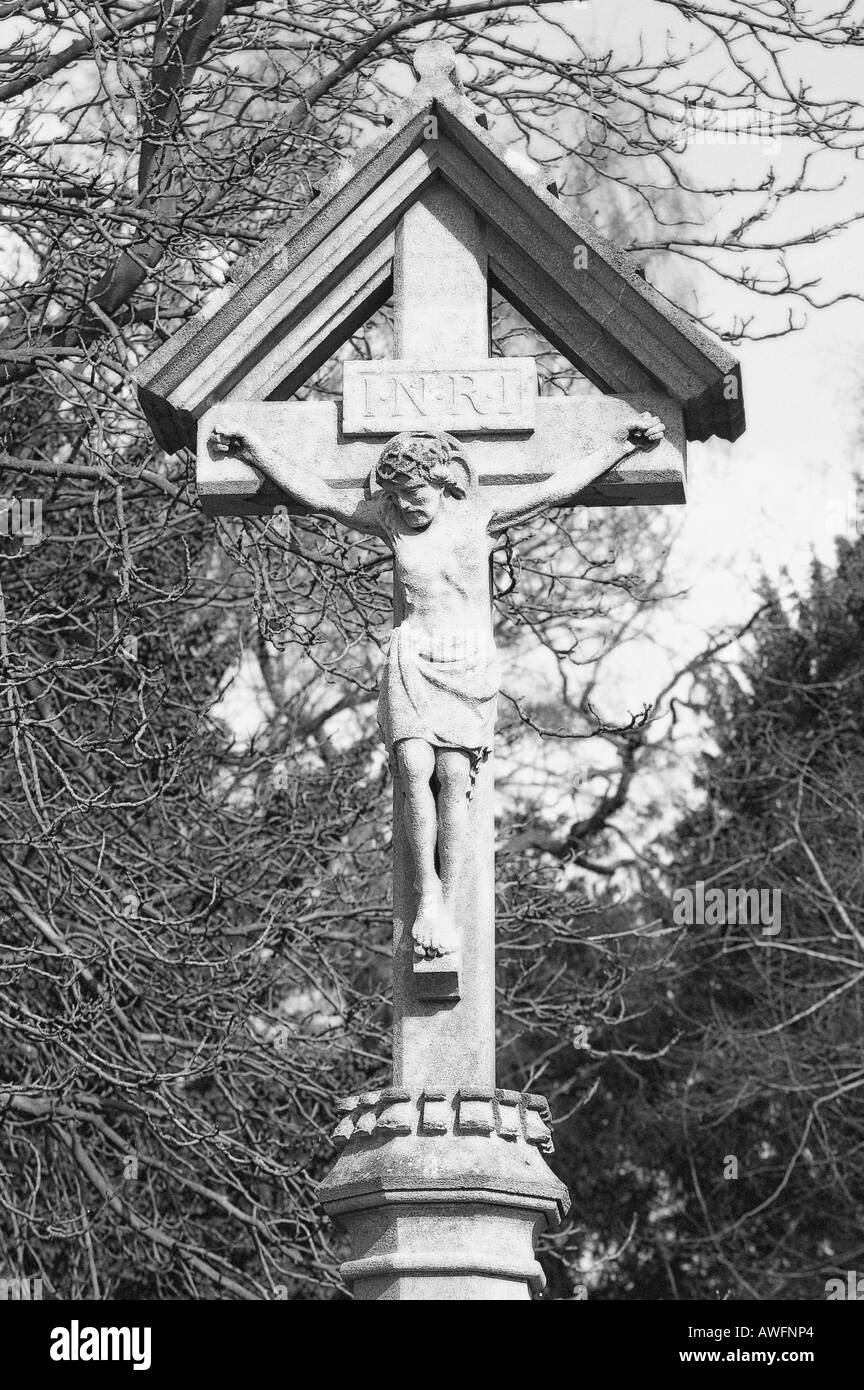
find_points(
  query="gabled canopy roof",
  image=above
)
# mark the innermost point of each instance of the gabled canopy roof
(298, 298)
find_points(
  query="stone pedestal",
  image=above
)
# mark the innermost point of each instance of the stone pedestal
(442, 1195)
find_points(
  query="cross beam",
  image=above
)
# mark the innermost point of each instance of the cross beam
(565, 428)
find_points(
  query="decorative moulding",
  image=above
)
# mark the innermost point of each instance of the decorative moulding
(510, 1115)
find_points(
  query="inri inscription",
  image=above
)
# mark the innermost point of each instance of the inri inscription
(388, 397)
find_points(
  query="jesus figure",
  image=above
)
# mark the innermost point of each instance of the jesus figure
(439, 690)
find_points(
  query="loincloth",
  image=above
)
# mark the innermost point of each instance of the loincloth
(442, 689)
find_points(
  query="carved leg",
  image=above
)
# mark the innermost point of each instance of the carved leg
(453, 767)
(416, 760)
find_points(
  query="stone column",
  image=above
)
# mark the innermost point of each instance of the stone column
(442, 1181)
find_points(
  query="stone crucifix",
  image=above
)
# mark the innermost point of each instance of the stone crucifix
(436, 453)
(441, 1180)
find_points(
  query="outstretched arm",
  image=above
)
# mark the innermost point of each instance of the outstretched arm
(522, 503)
(230, 435)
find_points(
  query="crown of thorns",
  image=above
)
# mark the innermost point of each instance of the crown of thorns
(424, 456)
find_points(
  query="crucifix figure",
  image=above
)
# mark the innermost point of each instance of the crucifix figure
(439, 690)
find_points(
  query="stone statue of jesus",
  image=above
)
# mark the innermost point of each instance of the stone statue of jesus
(439, 691)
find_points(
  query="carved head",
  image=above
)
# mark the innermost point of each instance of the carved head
(417, 469)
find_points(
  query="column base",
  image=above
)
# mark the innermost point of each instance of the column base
(442, 1196)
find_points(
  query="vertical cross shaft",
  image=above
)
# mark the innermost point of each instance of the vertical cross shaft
(441, 311)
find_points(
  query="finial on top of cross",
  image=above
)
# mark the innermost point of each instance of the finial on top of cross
(435, 60)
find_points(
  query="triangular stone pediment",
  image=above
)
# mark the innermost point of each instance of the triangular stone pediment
(292, 303)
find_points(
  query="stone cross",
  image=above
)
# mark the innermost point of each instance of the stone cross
(442, 1179)
(443, 381)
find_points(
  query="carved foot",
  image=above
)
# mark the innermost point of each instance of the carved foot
(434, 929)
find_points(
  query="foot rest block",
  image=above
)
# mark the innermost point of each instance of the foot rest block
(437, 978)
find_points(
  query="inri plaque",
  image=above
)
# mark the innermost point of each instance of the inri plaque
(388, 397)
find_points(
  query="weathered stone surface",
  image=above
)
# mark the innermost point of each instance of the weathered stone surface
(475, 1111)
(458, 1248)
(440, 299)
(448, 1036)
(436, 59)
(435, 1112)
(446, 1110)
(451, 1210)
(509, 1116)
(564, 430)
(491, 394)
(437, 978)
